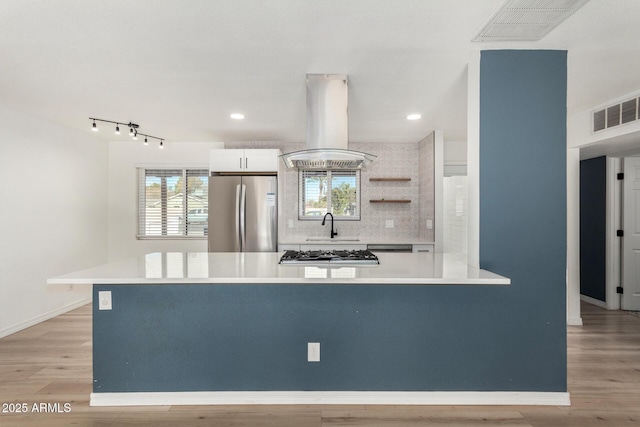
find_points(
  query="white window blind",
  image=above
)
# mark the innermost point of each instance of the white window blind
(172, 203)
(336, 192)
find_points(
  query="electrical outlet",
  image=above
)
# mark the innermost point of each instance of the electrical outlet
(290, 223)
(104, 299)
(429, 224)
(313, 352)
(388, 223)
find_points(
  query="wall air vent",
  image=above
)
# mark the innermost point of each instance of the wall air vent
(526, 20)
(616, 114)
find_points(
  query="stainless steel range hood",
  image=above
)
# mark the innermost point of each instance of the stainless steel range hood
(327, 128)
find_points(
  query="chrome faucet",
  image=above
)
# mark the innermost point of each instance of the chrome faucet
(333, 233)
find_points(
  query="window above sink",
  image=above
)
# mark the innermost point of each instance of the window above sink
(322, 191)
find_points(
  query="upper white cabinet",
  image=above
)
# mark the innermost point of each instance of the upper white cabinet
(239, 160)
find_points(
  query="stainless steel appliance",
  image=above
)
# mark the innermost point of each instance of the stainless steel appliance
(349, 257)
(327, 128)
(243, 213)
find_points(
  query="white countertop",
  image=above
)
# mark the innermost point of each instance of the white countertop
(263, 268)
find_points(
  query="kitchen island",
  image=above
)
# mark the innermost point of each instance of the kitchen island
(234, 328)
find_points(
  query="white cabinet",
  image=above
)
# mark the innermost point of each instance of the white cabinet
(288, 247)
(329, 246)
(239, 160)
(423, 248)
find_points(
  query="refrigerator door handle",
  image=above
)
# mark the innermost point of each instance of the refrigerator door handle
(243, 209)
(237, 238)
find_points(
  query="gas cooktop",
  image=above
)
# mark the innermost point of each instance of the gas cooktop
(353, 257)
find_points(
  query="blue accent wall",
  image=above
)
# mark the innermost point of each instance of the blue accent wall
(593, 223)
(385, 337)
(523, 199)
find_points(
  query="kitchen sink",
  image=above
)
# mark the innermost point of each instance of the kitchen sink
(335, 239)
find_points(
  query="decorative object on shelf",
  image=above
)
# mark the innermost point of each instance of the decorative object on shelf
(390, 179)
(389, 201)
(133, 130)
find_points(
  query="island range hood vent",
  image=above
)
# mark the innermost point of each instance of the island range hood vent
(327, 128)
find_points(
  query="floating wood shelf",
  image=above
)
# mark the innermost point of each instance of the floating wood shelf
(390, 179)
(389, 201)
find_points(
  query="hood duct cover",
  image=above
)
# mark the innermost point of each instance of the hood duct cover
(327, 128)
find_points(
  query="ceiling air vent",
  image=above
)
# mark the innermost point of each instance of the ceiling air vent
(526, 20)
(617, 114)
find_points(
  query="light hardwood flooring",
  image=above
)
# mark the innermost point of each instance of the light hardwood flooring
(51, 363)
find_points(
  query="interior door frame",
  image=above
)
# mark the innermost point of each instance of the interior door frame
(613, 242)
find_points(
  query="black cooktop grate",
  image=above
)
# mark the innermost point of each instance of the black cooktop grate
(329, 256)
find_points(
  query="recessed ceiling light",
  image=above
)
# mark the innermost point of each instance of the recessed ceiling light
(237, 116)
(414, 116)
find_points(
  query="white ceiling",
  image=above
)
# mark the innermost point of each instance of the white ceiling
(178, 68)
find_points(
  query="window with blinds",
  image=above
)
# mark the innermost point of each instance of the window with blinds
(172, 203)
(336, 192)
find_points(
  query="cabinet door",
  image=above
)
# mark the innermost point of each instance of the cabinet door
(226, 160)
(261, 160)
(329, 246)
(288, 247)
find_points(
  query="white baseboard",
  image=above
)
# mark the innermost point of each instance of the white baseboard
(594, 301)
(332, 398)
(574, 321)
(42, 317)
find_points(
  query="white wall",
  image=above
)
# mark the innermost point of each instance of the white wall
(124, 159)
(455, 152)
(53, 187)
(454, 207)
(473, 160)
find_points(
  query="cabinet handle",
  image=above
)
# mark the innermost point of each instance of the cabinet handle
(240, 162)
(246, 163)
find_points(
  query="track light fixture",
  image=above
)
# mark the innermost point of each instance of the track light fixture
(133, 130)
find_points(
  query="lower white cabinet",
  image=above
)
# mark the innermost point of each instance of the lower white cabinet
(326, 247)
(288, 247)
(422, 248)
(338, 246)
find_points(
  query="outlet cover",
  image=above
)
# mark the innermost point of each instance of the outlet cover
(388, 223)
(313, 352)
(429, 224)
(104, 300)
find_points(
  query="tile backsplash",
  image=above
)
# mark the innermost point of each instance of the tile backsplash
(395, 160)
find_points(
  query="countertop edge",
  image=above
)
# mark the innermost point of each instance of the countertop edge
(502, 281)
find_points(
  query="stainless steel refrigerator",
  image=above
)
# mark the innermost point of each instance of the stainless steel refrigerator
(243, 213)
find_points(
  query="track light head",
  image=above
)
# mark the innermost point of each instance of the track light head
(146, 142)
(94, 127)
(161, 144)
(117, 129)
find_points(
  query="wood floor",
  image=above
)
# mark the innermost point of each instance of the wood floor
(51, 363)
